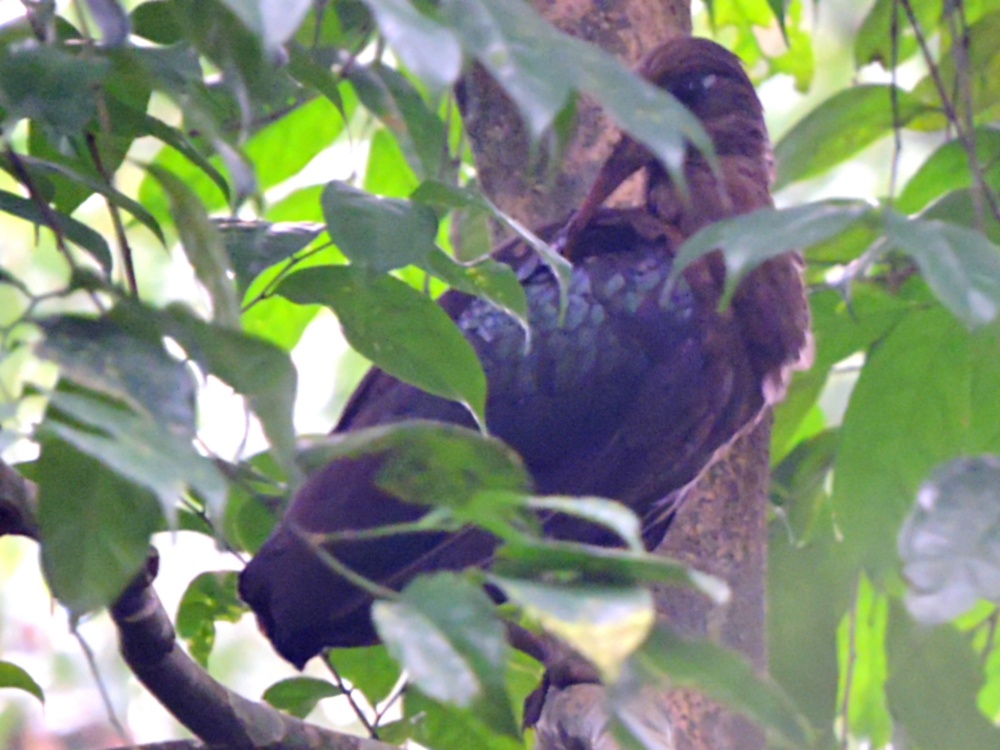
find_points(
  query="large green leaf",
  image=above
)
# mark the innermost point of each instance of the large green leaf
(397, 328)
(839, 128)
(723, 675)
(948, 169)
(874, 39)
(928, 392)
(934, 676)
(445, 632)
(298, 696)
(424, 46)
(378, 233)
(370, 670)
(443, 726)
(959, 264)
(94, 527)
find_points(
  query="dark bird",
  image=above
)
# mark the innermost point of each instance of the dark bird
(628, 398)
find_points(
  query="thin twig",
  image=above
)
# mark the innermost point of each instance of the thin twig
(88, 654)
(116, 218)
(348, 693)
(897, 145)
(291, 263)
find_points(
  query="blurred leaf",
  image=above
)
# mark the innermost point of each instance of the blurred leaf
(934, 676)
(252, 246)
(387, 172)
(861, 639)
(249, 518)
(928, 392)
(12, 676)
(397, 328)
(723, 675)
(838, 129)
(371, 670)
(139, 448)
(427, 462)
(274, 21)
(278, 321)
(949, 544)
(129, 365)
(298, 696)
(493, 281)
(424, 46)
(418, 131)
(112, 20)
(155, 21)
(49, 85)
(750, 239)
(203, 246)
(209, 597)
(377, 233)
(443, 727)
(604, 623)
(305, 67)
(94, 527)
(959, 264)
(873, 42)
(76, 231)
(573, 562)
(445, 632)
(948, 169)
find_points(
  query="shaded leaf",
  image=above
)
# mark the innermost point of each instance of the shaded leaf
(949, 542)
(397, 328)
(873, 42)
(443, 726)
(155, 21)
(486, 278)
(274, 21)
(838, 129)
(252, 246)
(377, 233)
(960, 265)
(76, 231)
(424, 46)
(948, 169)
(444, 631)
(94, 527)
(209, 597)
(723, 675)
(371, 670)
(298, 696)
(934, 676)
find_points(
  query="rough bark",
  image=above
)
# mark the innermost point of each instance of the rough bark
(721, 528)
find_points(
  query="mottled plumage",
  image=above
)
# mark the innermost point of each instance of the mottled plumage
(629, 398)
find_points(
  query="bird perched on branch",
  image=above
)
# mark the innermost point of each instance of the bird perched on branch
(629, 397)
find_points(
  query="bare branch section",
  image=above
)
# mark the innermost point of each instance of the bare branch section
(215, 714)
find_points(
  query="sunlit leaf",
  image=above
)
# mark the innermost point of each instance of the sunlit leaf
(371, 670)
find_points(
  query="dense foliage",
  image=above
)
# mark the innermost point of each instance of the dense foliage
(883, 565)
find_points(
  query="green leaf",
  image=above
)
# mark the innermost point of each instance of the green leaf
(76, 231)
(387, 172)
(934, 676)
(445, 632)
(427, 462)
(873, 42)
(723, 675)
(948, 543)
(94, 527)
(298, 696)
(838, 129)
(747, 241)
(273, 22)
(155, 21)
(928, 392)
(397, 328)
(948, 169)
(12, 676)
(605, 623)
(209, 597)
(377, 233)
(49, 85)
(444, 727)
(127, 364)
(252, 246)
(960, 265)
(526, 558)
(486, 278)
(203, 246)
(370, 670)
(139, 448)
(428, 49)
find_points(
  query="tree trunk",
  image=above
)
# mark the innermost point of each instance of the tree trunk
(721, 528)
